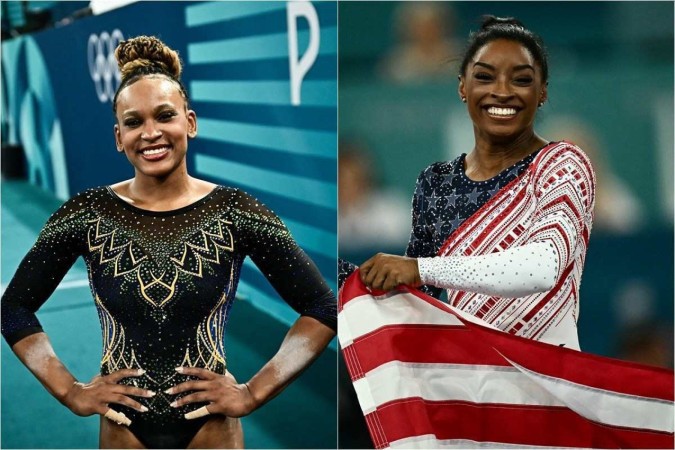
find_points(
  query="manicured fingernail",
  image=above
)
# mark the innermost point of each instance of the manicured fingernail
(169, 391)
(179, 369)
(141, 371)
(144, 409)
(174, 404)
(151, 393)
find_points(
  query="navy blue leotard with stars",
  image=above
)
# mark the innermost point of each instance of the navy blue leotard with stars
(444, 198)
(163, 284)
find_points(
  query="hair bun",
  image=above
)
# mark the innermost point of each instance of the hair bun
(145, 51)
(490, 21)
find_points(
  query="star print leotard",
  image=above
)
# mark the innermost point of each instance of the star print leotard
(515, 261)
(163, 284)
(509, 250)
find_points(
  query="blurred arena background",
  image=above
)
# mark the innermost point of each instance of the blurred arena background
(58, 78)
(610, 92)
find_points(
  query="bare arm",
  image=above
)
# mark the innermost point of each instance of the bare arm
(36, 353)
(303, 343)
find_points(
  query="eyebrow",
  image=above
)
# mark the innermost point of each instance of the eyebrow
(157, 108)
(489, 66)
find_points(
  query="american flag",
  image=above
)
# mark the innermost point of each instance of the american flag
(428, 376)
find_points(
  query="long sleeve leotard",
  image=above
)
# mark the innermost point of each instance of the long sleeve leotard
(517, 264)
(444, 198)
(163, 282)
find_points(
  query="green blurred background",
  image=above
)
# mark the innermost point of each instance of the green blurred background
(610, 92)
(611, 70)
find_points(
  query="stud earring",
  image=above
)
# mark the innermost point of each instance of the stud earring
(464, 99)
(541, 104)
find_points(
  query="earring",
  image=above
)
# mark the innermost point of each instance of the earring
(464, 99)
(541, 104)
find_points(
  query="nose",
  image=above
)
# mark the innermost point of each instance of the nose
(502, 90)
(150, 132)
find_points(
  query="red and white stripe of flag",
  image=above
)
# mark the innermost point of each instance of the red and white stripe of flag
(427, 376)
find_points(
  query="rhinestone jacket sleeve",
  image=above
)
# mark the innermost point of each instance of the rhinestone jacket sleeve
(560, 230)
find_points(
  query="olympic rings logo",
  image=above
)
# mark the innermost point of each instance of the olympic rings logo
(102, 63)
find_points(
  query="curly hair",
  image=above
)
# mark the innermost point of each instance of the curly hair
(147, 55)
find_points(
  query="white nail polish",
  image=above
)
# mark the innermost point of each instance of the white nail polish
(144, 409)
(179, 369)
(173, 404)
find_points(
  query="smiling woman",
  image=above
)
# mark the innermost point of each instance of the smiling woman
(154, 124)
(505, 227)
(164, 252)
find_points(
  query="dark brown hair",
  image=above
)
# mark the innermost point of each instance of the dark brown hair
(147, 55)
(494, 28)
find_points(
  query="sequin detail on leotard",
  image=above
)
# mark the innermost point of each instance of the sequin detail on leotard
(163, 283)
(444, 198)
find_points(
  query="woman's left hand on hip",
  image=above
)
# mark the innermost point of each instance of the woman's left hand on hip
(222, 393)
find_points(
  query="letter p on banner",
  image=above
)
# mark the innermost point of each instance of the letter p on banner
(298, 68)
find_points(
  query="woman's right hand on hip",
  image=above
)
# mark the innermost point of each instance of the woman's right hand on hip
(85, 399)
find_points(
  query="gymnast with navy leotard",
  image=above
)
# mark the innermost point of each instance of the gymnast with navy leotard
(504, 228)
(164, 253)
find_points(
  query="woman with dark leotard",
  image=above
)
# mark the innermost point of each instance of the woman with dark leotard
(164, 252)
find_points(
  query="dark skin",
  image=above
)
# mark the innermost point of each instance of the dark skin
(153, 115)
(502, 87)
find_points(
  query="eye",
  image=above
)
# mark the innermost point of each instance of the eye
(166, 115)
(131, 123)
(524, 80)
(483, 76)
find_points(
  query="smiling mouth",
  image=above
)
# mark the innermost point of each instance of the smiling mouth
(501, 113)
(155, 152)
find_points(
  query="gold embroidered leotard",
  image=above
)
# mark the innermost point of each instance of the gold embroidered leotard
(163, 284)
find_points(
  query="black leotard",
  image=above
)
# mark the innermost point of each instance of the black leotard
(163, 284)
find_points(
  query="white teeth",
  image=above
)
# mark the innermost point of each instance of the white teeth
(155, 151)
(501, 111)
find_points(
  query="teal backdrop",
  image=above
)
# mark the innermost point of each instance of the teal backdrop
(57, 85)
(610, 90)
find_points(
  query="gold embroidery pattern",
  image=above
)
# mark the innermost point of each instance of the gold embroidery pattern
(122, 255)
(210, 337)
(114, 342)
(157, 291)
(209, 250)
(170, 287)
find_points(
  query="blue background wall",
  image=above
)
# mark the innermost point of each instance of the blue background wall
(236, 69)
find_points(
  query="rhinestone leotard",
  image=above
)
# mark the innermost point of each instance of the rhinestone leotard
(444, 198)
(163, 284)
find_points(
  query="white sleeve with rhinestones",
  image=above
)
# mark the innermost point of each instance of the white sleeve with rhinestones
(515, 272)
